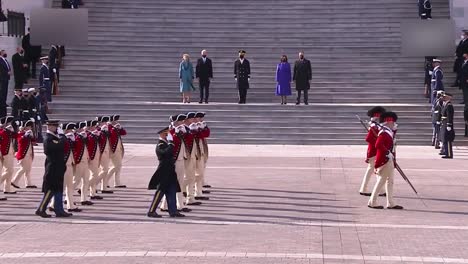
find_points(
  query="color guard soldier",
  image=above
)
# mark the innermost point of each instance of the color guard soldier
(374, 114)
(437, 79)
(384, 161)
(80, 163)
(202, 147)
(104, 151)
(68, 156)
(17, 104)
(92, 145)
(447, 132)
(117, 150)
(242, 76)
(52, 187)
(164, 180)
(25, 154)
(7, 137)
(436, 121)
(190, 162)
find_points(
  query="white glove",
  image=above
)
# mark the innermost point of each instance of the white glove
(9, 127)
(202, 125)
(59, 131)
(430, 72)
(54, 70)
(449, 129)
(38, 118)
(182, 129)
(235, 79)
(84, 134)
(193, 127)
(28, 133)
(390, 155)
(104, 128)
(32, 119)
(34, 110)
(169, 137)
(248, 79)
(96, 133)
(117, 126)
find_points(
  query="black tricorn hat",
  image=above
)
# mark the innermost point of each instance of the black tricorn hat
(200, 115)
(27, 123)
(81, 124)
(388, 117)
(375, 111)
(91, 123)
(115, 118)
(68, 126)
(191, 115)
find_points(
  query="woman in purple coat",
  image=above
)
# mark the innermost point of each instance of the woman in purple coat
(283, 78)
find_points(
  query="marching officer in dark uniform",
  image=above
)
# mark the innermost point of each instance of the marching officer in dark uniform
(54, 145)
(242, 76)
(447, 132)
(44, 78)
(436, 121)
(461, 49)
(164, 180)
(425, 9)
(437, 79)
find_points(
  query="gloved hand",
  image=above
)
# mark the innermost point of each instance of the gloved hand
(248, 79)
(193, 127)
(169, 137)
(117, 126)
(449, 128)
(430, 72)
(54, 70)
(59, 131)
(96, 133)
(104, 128)
(32, 119)
(38, 118)
(28, 133)
(390, 155)
(235, 79)
(182, 129)
(84, 134)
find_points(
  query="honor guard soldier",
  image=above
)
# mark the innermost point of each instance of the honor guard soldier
(52, 187)
(44, 78)
(25, 154)
(242, 76)
(117, 150)
(68, 157)
(425, 9)
(436, 118)
(190, 162)
(104, 151)
(92, 145)
(371, 138)
(80, 163)
(180, 152)
(7, 137)
(437, 79)
(164, 180)
(202, 157)
(384, 161)
(447, 132)
(17, 104)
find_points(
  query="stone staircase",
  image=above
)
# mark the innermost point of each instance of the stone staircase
(131, 67)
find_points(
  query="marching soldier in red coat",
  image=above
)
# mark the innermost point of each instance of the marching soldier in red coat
(25, 154)
(92, 145)
(202, 156)
(374, 114)
(104, 150)
(384, 161)
(190, 162)
(68, 177)
(117, 150)
(80, 163)
(7, 137)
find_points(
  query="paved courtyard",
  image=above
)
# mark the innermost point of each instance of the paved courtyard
(268, 204)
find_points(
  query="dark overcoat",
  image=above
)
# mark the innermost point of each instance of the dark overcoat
(302, 74)
(165, 175)
(54, 164)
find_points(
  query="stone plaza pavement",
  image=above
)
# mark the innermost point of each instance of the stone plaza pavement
(269, 204)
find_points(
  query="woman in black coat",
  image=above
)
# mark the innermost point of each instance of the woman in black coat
(164, 180)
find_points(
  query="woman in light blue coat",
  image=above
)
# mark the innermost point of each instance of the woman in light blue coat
(186, 76)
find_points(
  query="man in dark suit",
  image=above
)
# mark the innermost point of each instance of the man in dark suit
(242, 76)
(32, 54)
(5, 74)
(461, 48)
(204, 74)
(302, 77)
(19, 68)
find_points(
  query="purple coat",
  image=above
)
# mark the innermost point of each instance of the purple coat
(283, 78)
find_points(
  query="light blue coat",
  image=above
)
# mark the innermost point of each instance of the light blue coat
(186, 76)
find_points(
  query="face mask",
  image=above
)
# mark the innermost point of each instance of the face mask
(21, 52)
(204, 56)
(302, 57)
(4, 55)
(462, 36)
(241, 56)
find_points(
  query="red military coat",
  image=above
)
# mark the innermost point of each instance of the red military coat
(371, 139)
(24, 143)
(178, 139)
(384, 146)
(115, 136)
(92, 145)
(78, 148)
(103, 138)
(6, 139)
(188, 140)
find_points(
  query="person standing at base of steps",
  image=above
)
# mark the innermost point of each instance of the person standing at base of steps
(186, 76)
(204, 74)
(52, 187)
(242, 76)
(283, 79)
(425, 9)
(436, 121)
(462, 48)
(371, 138)
(447, 132)
(437, 80)
(385, 161)
(164, 180)
(302, 77)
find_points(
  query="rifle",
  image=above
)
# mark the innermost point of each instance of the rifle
(397, 166)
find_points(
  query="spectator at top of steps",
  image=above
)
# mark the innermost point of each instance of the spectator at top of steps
(71, 4)
(425, 9)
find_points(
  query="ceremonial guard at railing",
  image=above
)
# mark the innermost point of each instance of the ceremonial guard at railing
(447, 132)
(94, 154)
(242, 76)
(104, 151)
(25, 154)
(117, 150)
(371, 138)
(45, 80)
(164, 180)
(192, 156)
(80, 164)
(437, 79)
(7, 138)
(178, 131)
(385, 161)
(201, 142)
(436, 118)
(52, 187)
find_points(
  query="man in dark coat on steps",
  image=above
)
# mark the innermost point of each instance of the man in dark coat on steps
(20, 68)
(164, 180)
(242, 76)
(302, 77)
(52, 187)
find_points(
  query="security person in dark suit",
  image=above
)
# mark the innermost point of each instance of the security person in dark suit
(461, 49)
(447, 132)
(164, 180)
(52, 187)
(242, 76)
(204, 74)
(302, 77)
(20, 68)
